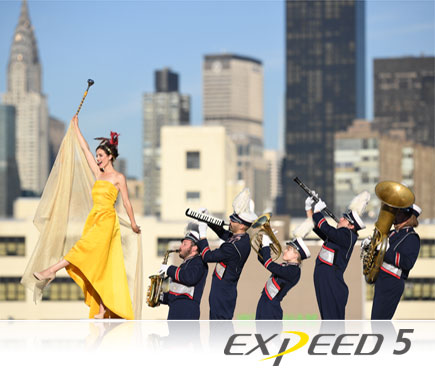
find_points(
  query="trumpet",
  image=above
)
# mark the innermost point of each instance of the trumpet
(156, 286)
(260, 227)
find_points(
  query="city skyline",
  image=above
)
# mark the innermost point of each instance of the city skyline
(120, 44)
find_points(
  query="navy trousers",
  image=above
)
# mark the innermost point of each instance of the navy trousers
(388, 291)
(222, 299)
(268, 310)
(182, 309)
(331, 292)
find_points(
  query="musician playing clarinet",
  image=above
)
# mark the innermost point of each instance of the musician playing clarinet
(331, 263)
(230, 257)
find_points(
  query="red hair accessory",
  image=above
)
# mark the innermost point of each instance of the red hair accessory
(114, 138)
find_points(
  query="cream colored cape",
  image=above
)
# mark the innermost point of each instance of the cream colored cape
(62, 211)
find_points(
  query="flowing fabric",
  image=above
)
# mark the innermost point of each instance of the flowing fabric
(61, 215)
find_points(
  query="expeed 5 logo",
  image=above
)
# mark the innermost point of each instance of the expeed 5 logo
(321, 344)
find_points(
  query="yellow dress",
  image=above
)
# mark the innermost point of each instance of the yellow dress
(97, 261)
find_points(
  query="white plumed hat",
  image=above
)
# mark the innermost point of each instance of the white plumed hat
(243, 207)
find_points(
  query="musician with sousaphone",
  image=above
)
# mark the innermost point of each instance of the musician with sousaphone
(187, 281)
(401, 254)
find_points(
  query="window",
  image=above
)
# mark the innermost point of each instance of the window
(193, 196)
(12, 246)
(427, 248)
(419, 289)
(192, 160)
(416, 289)
(63, 289)
(11, 290)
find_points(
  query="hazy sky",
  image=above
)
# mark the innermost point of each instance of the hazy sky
(119, 44)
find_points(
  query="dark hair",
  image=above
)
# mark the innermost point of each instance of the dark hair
(109, 149)
(109, 145)
(412, 221)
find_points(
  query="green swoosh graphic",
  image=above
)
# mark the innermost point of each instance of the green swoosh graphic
(304, 339)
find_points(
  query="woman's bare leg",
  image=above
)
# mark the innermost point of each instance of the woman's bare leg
(102, 311)
(53, 269)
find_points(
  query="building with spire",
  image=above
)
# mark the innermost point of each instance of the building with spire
(24, 91)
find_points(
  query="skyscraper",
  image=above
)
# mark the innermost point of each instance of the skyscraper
(233, 98)
(324, 92)
(164, 107)
(24, 91)
(56, 132)
(404, 97)
(9, 180)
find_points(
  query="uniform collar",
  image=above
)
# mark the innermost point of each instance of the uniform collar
(191, 257)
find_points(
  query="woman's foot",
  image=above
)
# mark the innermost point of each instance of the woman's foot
(100, 315)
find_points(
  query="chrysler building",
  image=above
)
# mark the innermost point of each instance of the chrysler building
(25, 93)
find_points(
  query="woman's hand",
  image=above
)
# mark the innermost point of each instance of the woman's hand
(75, 120)
(136, 228)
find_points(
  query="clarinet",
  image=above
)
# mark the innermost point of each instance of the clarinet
(315, 198)
(205, 218)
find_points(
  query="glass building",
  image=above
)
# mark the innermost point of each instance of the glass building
(324, 92)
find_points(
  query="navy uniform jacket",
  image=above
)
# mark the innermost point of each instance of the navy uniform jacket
(284, 277)
(230, 258)
(398, 261)
(331, 263)
(186, 288)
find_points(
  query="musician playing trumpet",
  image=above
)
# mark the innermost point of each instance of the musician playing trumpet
(284, 276)
(187, 281)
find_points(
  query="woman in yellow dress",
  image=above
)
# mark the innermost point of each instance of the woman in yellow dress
(96, 261)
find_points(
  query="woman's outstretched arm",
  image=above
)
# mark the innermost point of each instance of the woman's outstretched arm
(85, 147)
(126, 202)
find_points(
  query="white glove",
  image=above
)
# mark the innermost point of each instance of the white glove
(387, 245)
(309, 203)
(266, 241)
(202, 226)
(202, 210)
(320, 206)
(365, 244)
(163, 269)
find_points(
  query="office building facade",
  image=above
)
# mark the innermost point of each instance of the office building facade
(324, 92)
(404, 97)
(165, 107)
(233, 98)
(9, 179)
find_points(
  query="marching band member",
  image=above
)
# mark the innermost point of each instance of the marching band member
(284, 276)
(331, 289)
(230, 257)
(187, 281)
(402, 252)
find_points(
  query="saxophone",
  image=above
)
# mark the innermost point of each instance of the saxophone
(394, 196)
(156, 286)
